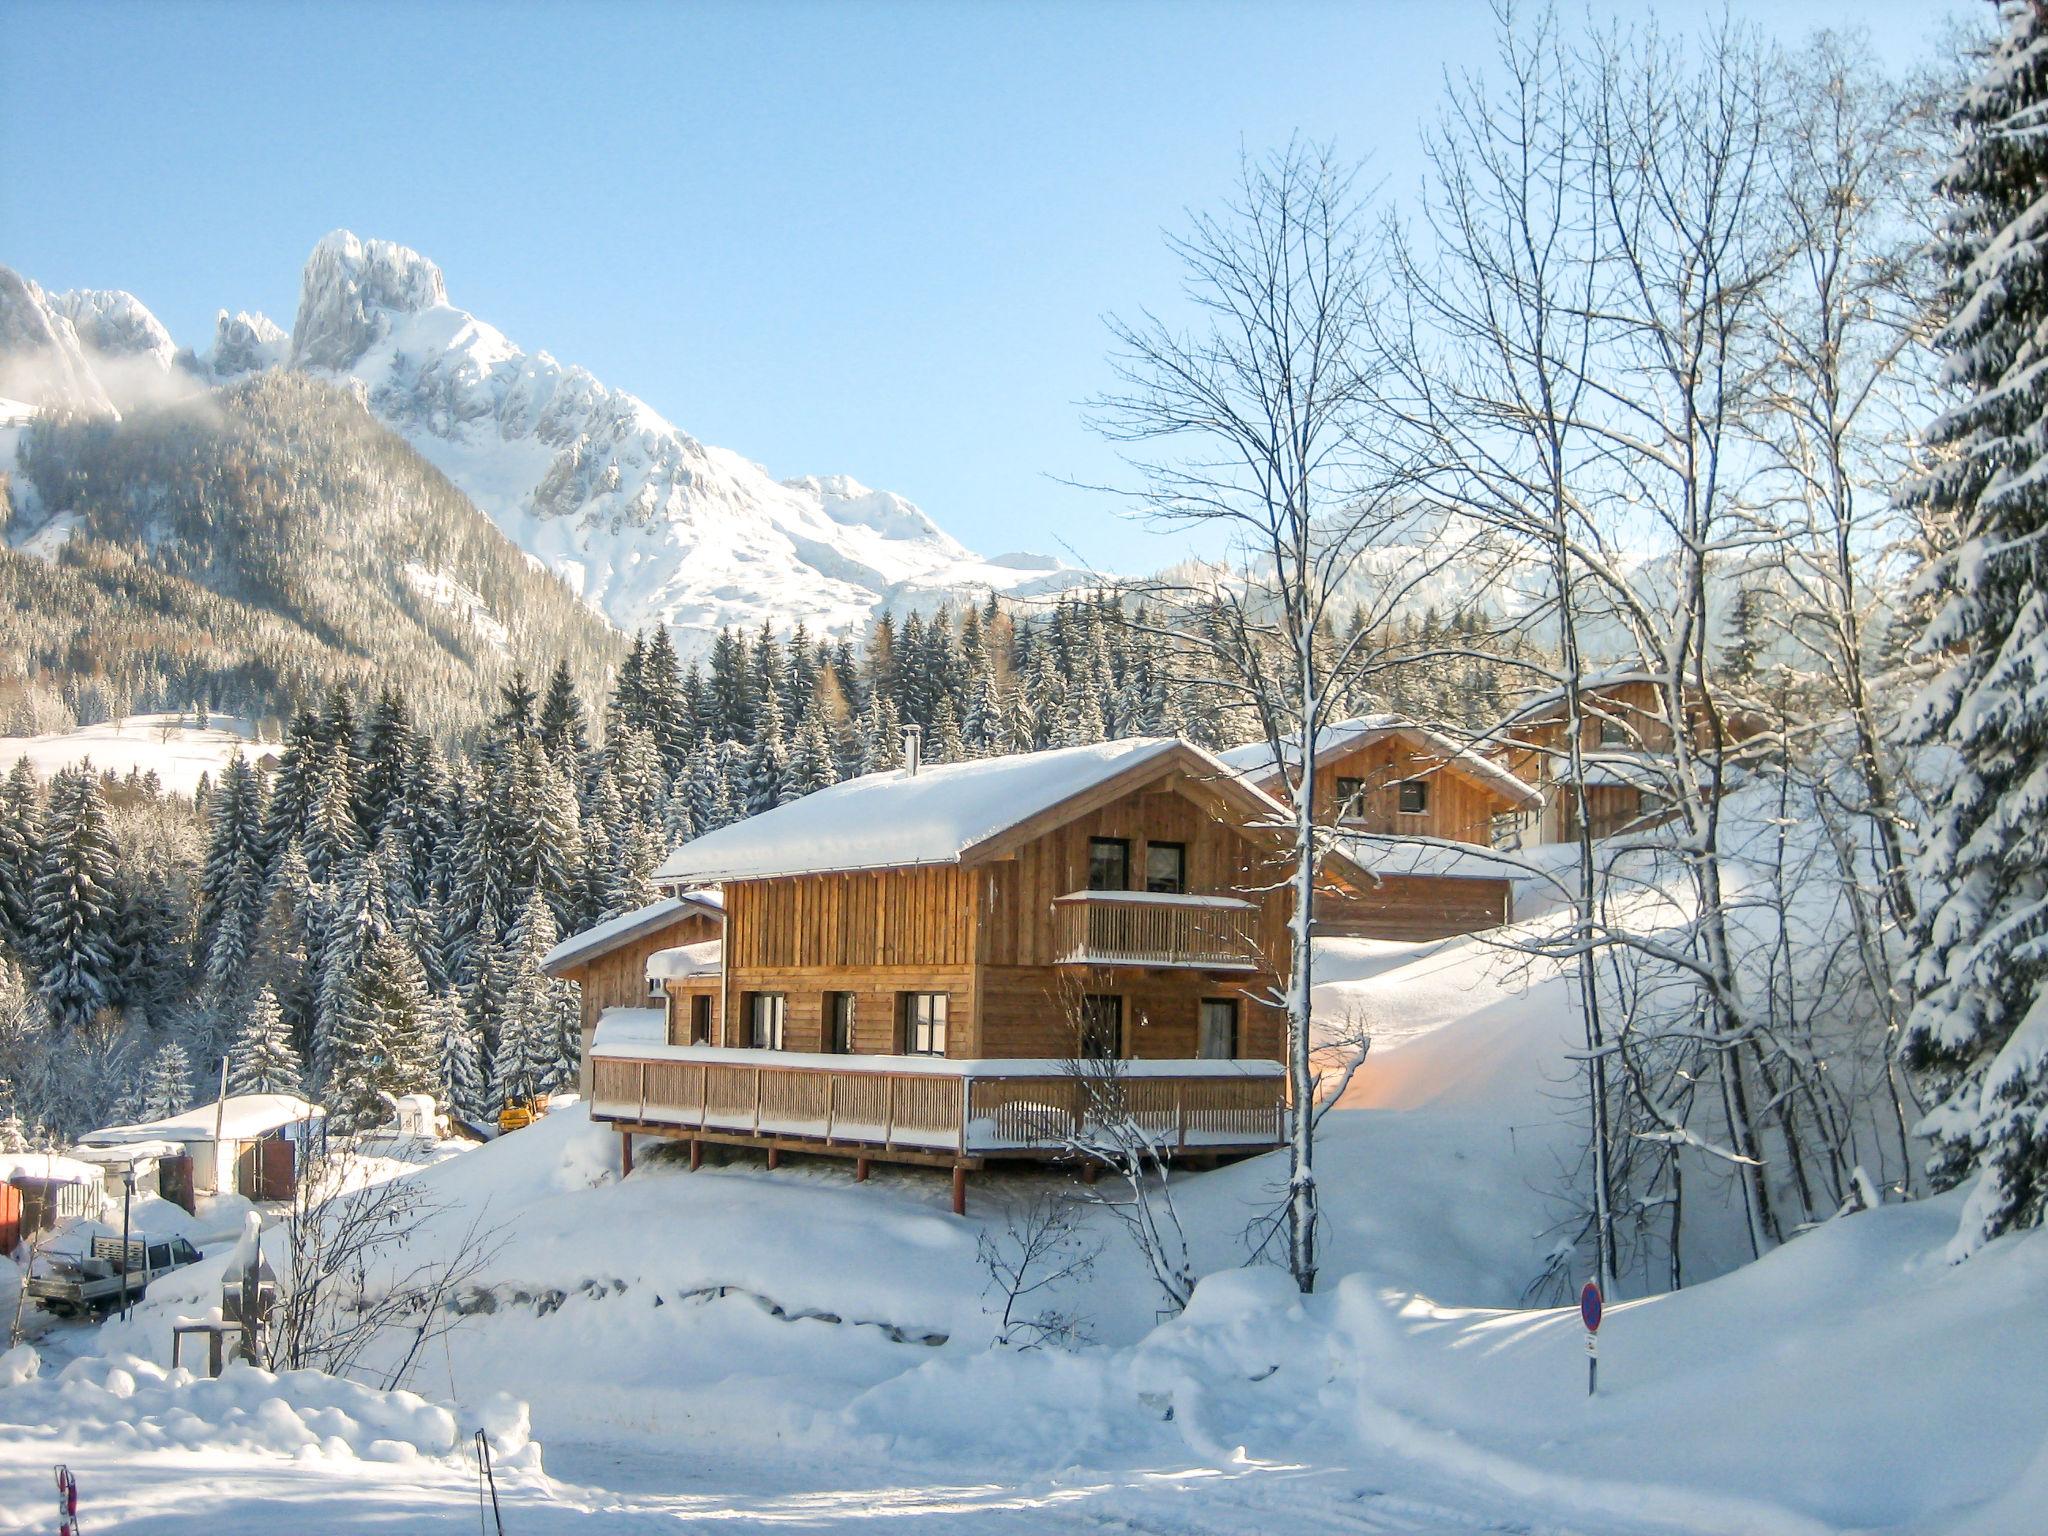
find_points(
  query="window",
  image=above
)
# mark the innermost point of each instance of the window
(766, 1012)
(700, 1019)
(159, 1255)
(1350, 799)
(656, 987)
(1415, 797)
(924, 1023)
(839, 1023)
(1166, 868)
(1102, 1028)
(1218, 1040)
(1614, 733)
(1109, 864)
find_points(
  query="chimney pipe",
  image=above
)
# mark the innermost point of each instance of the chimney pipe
(913, 749)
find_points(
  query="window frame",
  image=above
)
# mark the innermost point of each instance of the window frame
(1180, 877)
(1202, 1022)
(831, 1040)
(1088, 1028)
(1123, 847)
(757, 1003)
(700, 1018)
(926, 1035)
(1350, 803)
(1420, 789)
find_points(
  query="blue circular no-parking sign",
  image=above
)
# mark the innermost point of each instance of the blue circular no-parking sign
(1589, 1306)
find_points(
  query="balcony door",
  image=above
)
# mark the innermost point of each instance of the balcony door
(1102, 1027)
(766, 1012)
(1109, 864)
(1218, 1039)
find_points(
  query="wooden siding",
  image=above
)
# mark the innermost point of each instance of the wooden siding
(1415, 907)
(988, 938)
(1461, 809)
(618, 978)
(1029, 1010)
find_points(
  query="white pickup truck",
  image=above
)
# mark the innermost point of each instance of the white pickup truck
(72, 1284)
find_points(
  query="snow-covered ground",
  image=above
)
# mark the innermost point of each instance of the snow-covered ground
(172, 746)
(743, 1350)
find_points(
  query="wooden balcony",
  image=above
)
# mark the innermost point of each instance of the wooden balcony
(933, 1110)
(1155, 931)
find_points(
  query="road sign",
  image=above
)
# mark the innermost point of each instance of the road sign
(1589, 1306)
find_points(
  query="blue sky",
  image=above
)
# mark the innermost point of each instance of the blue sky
(875, 239)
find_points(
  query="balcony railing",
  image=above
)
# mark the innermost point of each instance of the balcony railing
(1144, 928)
(931, 1106)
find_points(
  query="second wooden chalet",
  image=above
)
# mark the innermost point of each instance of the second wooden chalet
(1392, 785)
(912, 963)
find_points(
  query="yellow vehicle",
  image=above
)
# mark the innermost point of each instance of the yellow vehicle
(521, 1110)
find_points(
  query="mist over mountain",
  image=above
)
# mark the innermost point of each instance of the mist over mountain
(645, 523)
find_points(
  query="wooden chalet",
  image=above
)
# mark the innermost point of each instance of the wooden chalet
(1391, 782)
(915, 964)
(610, 962)
(1624, 732)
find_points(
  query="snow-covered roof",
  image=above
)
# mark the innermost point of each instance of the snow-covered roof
(1255, 759)
(1393, 855)
(939, 815)
(629, 1029)
(243, 1117)
(581, 948)
(1536, 705)
(704, 958)
(48, 1165)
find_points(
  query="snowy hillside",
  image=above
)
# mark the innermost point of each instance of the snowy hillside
(642, 520)
(175, 748)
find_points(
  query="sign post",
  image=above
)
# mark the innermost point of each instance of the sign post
(1589, 1314)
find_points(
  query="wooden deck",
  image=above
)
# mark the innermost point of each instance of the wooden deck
(1216, 933)
(933, 1111)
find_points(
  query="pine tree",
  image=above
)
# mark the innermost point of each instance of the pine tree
(768, 762)
(74, 916)
(563, 734)
(231, 880)
(540, 1033)
(384, 1040)
(459, 1068)
(165, 1088)
(20, 841)
(387, 746)
(261, 1058)
(811, 767)
(1978, 1031)
(668, 719)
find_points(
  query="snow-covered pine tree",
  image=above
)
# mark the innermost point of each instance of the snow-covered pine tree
(811, 766)
(384, 1041)
(459, 1068)
(21, 813)
(768, 762)
(387, 745)
(564, 735)
(540, 1037)
(261, 1058)
(74, 913)
(165, 1088)
(331, 836)
(1978, 1031)
(668, 720)
(231, 880)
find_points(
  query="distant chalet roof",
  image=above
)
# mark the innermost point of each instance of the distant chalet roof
(954, 813)
(613, 932)
(1547, 704)
(1255, 759)
(243, 1117)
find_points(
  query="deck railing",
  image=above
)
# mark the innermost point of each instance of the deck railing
(966, 1108)
(1215, 933)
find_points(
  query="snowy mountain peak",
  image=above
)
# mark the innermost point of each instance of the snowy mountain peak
(243, 344)
(115, 324)
(349, 292)
(41, 362)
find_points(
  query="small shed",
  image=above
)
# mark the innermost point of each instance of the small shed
(40, 1189)
(251, 1143)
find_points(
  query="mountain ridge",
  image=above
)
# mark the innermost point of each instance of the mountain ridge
(645, 523)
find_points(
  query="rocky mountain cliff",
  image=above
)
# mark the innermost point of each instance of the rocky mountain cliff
(644, 522)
